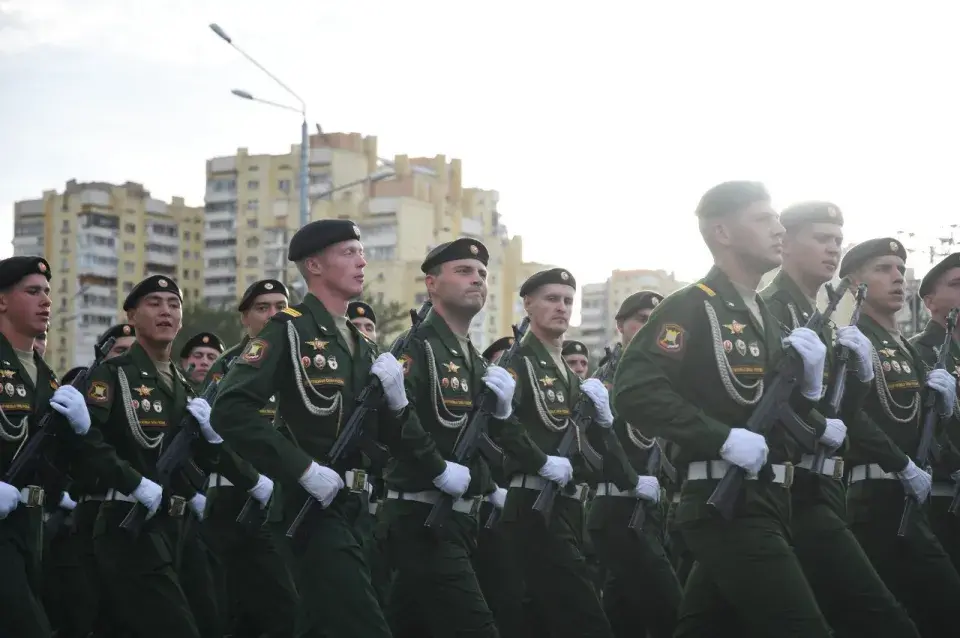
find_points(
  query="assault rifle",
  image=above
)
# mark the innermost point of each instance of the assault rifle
(931, 418)
(775, 407)
(367, 401)
(839, 378)
(575, 438)
(475, 436)
(654, 464)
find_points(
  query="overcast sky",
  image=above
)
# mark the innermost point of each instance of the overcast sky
(600, 125)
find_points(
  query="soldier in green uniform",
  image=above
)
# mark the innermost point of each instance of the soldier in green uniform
(261, 595)
(577, 357)
(362, 316)
(29, 390)
(136, 402)
(316, 362)
(199, 351)
(851, 595)
(550, 555)
(940, 291)
(692, 376)
(915, 567)
(444, 375)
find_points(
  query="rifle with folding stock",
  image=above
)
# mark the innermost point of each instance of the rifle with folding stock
(775, 408)
(654, 465)
(369, 400)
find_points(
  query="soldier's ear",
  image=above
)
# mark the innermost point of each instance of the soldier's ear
(131, 314)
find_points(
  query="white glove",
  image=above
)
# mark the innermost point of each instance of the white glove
(916, 482)
(648, 488)
(598, 394)
(198, 504)
(149, 494)
(262, 491)
(321, 483)
(200, 410)
(454, 480)
(945, 385)
(813, 353)
(557, 469)
(9, 499)
(834, 434)
(68, 401)
(745, 449)
(860, 347)
(67, 503)
(390, 373)
(501, 383)
(497, 497)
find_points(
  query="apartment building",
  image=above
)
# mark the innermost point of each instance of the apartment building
(100, 240)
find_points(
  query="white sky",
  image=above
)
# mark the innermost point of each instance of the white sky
(600, 125)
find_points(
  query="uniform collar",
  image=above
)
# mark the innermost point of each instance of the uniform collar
(785, 282)
(720, 283)
(450, 341)
(545, 360)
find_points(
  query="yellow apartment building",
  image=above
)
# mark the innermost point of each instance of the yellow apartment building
(100, 240)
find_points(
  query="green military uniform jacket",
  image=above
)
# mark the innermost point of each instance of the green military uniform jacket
(301, 358)
(695, 371)
(443, 383)
(928, 344)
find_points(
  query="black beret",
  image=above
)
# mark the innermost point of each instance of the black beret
(262, 287)
(930, 279)
(574, 347)
(14, 269)
(116, 332)
(544, 277)
(152, 284)
(463, 248)
(810, 213)
(638, 301)
(500, 345)
(71, 374)
(730, 197)
(317, 235)
(865, 251)
(358, 309)
(201, 340)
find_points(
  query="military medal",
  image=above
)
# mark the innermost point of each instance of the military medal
(21, 391)
(319, 362)
(134, 404)
(560, 396)
(145, 404)
(754, 349)
(8, 388)
(735, 327)
(551, 395)
(886, 366)
(445, 382)
(741, 347)
(157, 407)
(455, 383)
(463, 385)
(332, 362)
(305, 360)
(906, 367)
(896, 366)
(727, 346)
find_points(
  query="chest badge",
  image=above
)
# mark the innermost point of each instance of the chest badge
(735, 327)
(455, 383)
(9, 389)
(741, 347)
(463, 385)
(332, 362)
(317, 344)
(451, 367)
(157, 407)
(7, 374)
(551, 396)
(906, 367)
(319, 361)
(754, 349)
(21, 391)
(143, 391)
(560, 396)
(547, 381)
(896, 366)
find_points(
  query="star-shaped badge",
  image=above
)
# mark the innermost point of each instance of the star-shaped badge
(7, 374)
(144, 391)
(451, 367)
(735, 327)
(317, 344)
(547, 381)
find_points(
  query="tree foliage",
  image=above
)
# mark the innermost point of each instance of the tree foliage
(197, 318)
(392, 319)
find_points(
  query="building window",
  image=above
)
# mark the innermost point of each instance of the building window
(66, 226)
(252, 222)
(129, 266)
(253, 185)
(380, 253)
(129, 228)
(127, 286)
(129, 246)
(284, 185)
(253, 205)
(252, 261)
(186, 254)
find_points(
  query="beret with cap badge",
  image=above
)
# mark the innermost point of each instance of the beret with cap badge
(810, 213)
(573, 347)
(320, 234)
(643, 300)
(262, 287)
(462, 248)
(500, 345)
(116, 332)
(361, 310)
(867, 250)
(201, 340)
(545, 278)
(150, 285)
(930, 279)
(14, 269)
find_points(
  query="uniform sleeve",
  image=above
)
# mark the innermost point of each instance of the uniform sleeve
(874, 444)
(247, 387)
(648, 380)
(512, 436)
(95, 457)
(239, 472)
(616, 465)
(413, 444)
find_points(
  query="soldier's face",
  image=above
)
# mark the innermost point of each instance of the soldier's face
(814, 250)
(630, 326)
(755, 234)
(884, 278)
(945, 295)
(120, 346)
(263, 307)
(550, 308)
(157, 318)
(366, 326)
(340, 267)
(461, 284)
(201, 358)
(578, 363)
(26, 305)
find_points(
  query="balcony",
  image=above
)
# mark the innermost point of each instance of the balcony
(163, 238)
(472, 227)
(28, 245)
(381, 235)
(220, 216)
(220, 292)
(219, 252)
(160, 258)
(220, 271)
(319, 188)
(94, 197)
(321, 155)
(219, 234)
(156, 206)
(220, 197)
(223, 165)
(29, 207)
(383, 205)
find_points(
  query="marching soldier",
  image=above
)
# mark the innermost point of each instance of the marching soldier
(444, 374)
(692, 376)
(940, 291)
(30, 389)
(851, 595)
(550, 556)
(200, 351)
(136, 402)
(915, 567)
(262, 597)
(362, 316)
(316, 362)
(576, 356)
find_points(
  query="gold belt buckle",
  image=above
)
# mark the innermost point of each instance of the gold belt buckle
(837, 469)
(177, 506)
(35, 496)
(357, 480)
(787, 475)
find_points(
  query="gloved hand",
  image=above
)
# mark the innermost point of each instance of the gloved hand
(200, 410)
(454, 480)
(501, 384)
(916, 482)
(498, 497)
(648, 488)
(943, 383)
(390, 373)
(262, 491)
(68, 401)
(321, 483)
(598, 394)
(834, 434)
(557, 469)
(745, 449)
(9, 499)
(198, 504)
(149, 494)
(860, 347)
(813, 353)
(66, 502)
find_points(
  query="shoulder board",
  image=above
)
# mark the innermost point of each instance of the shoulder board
(707, 289)
(287, 314)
